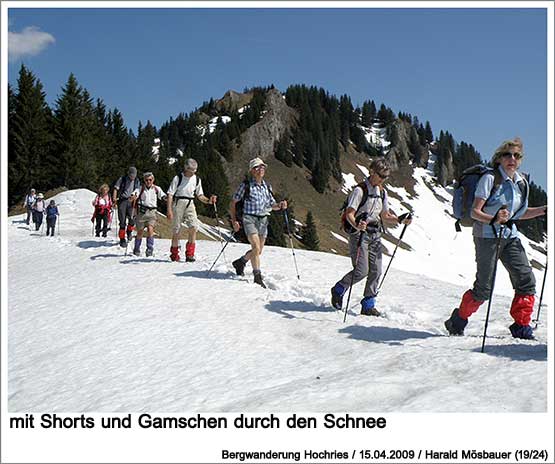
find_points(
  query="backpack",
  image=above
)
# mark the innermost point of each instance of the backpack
(346, 225)
(465, 189)
(125, 180)
(240, 205)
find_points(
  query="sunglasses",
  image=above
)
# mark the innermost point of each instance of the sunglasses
(510, 155)
(149, 179)
(258, 168)
(382, 176)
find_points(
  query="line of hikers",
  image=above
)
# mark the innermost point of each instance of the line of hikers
(37, 210)
(498, 197)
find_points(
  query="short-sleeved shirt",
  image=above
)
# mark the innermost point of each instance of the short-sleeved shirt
(129, 186)
(149, 196)
(260, 200)
(373, 205)
(188, 187)
(509, 194)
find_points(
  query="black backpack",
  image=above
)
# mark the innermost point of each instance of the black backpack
(240, 205)
(346, 225)
(125, 180)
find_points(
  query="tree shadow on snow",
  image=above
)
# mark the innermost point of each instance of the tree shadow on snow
(388, 335)
(517, 352)
(94, 244)
(21, 221)
(132, 260)
(107, 255)
(284, 308)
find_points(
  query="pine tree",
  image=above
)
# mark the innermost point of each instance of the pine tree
(310, 234)
(30, 137)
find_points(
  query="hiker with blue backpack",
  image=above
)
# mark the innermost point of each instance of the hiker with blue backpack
(498, 197)
(183, 190)
(365, 211)
(250, 209)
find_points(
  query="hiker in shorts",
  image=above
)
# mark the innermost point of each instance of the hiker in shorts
(501, 198)
(29, 200)
(257, 203)
(146, 202)
(183, 190)
(366, 211)
(123, 188)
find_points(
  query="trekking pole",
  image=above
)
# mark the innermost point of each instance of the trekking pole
(291, 242)
(218, 257)
(408, 216)
(359, 244)
(501, 229)
(219, 231)
(541, 297)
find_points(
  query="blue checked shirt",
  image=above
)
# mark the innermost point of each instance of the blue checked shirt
(260, 200)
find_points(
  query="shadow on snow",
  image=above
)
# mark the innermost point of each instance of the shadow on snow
(285, 308)
(387, 335)
(517, 352)
(94, 244)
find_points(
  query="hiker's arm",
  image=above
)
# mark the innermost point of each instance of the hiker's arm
(206, 200)
(534, 212)
(389, 218)
(280, 205)
(478, 215)
(169, 204)
(350, 216)
(233, 215)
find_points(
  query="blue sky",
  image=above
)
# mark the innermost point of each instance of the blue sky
(479, 73)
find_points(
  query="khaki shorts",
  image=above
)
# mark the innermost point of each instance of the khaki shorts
(148, 218)
(255, 225)
(184, 212)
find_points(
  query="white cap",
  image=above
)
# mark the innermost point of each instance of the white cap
(254, 163)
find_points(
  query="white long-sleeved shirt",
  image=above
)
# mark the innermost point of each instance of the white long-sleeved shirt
(149, 196)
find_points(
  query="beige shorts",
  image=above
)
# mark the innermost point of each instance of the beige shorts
(148, 218)
(184, 211)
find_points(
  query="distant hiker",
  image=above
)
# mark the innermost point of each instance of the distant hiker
(182, 192)
(123, 188)
(501, 198)
(39, 208)
(29, 200)
(366, 210)
(146, 205)
(102, 210)
(255, 198)
(52, 214)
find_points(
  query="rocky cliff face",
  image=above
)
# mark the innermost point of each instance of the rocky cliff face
(259, 139)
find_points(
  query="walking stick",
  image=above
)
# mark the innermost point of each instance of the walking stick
(220, 254)
(501, 229)
(407, 216)
(541, 297)
(359, 244)
(218, 228)
(291, 242)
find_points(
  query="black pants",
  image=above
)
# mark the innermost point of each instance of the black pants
(37, 219)
(50, 225)
(102, 223)
(125, 213)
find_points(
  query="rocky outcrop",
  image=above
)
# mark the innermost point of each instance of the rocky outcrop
(232, 101)
(259, 140)
(399, 154)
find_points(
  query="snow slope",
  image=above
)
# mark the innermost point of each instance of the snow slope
(90, 329)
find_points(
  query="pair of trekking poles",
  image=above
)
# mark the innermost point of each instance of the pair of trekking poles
(231, 237)
(359, 245)
(497, 251)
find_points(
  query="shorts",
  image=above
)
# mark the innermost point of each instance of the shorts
(255, 225)
(148, 218)
(184, 211)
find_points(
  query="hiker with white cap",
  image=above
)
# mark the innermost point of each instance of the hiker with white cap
(123, 188)
(39, 209)
(183, 190)
(251, 204)
(146, 203)
(29, 200)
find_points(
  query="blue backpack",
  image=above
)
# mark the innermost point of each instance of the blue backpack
(465, 188)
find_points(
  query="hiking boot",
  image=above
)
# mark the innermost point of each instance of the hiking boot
(190, 259)
(122, 242)
(337, 292)
(137, 252)
(370, 312)
(522, 331)
(97, 234)
(258, 280)
(455, 324)
(149, 252)
(239, 265)
(104, 234)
